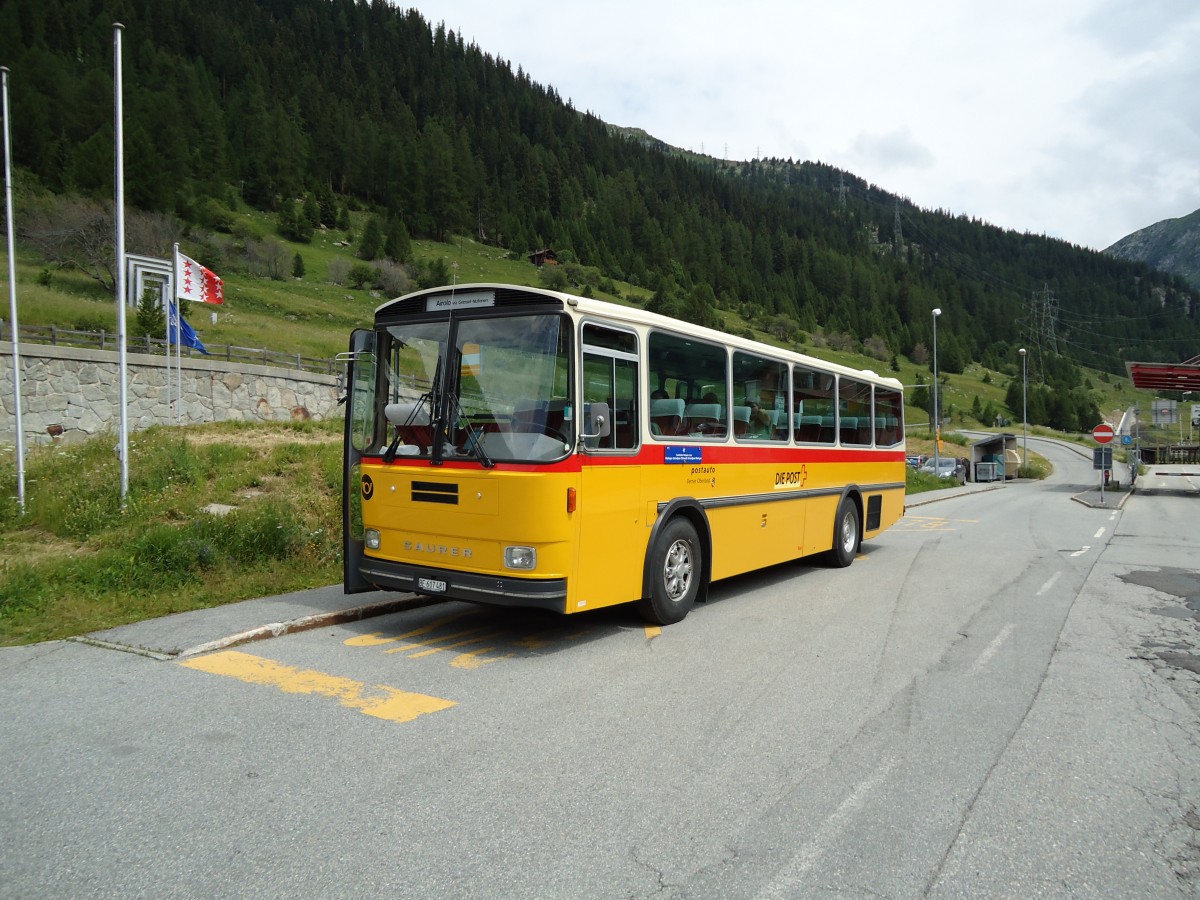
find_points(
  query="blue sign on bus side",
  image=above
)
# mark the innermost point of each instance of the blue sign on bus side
(690, 455)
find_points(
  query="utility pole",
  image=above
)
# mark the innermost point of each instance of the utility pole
(1043, 319)
(1051, 306)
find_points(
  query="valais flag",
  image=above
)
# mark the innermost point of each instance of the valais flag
(194, 282)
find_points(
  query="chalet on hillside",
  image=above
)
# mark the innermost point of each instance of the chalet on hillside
(545, 257)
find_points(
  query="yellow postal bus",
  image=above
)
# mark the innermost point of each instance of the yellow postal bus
(525, 447)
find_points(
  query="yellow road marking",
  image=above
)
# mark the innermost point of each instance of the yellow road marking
(376, 638)
(930, 523)
(652, 631)
(379, 700)
(433, 650)
(472, 659)
(409, 645)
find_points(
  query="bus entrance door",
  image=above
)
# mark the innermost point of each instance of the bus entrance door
(612, 536)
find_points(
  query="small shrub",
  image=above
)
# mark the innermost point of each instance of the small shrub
(164, 462)
(93, 322)
(339, 269)
(163, 554)
(263, 531)
(362, 274)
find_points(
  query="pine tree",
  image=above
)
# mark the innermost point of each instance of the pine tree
(151, 321)
(371, 242)
(311, 212)
(398, 245)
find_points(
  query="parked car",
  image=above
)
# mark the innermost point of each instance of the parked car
(947, 467)
(915, 461)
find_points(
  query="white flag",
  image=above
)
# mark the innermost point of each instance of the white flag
(194, 282)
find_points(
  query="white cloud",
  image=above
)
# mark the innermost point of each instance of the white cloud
(894, 151)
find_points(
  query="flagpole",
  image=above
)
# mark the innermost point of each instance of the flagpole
(166, 308)
(12, 297)
(172, 304)
(122, 362)
(178, 362)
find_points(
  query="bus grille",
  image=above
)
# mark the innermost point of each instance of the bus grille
(434, 492)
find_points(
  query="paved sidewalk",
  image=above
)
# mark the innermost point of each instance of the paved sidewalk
(204, 630)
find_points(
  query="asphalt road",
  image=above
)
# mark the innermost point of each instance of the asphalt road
(999, 698)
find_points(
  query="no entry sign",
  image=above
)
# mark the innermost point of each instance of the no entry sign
(1102, 433)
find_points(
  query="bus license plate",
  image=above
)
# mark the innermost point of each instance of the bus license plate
(428, 584)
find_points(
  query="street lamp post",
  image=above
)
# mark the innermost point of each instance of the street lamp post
(937, 416)
(1024, 414)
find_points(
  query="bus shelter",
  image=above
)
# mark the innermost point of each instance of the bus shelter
(995, 458)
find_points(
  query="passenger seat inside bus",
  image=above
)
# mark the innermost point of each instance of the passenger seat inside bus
(411, 419)
(704, 418)
(887, 430)
(808, 429)
(666, 417)
(848, 429)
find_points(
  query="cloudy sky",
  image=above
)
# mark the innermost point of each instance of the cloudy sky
(1079, 119)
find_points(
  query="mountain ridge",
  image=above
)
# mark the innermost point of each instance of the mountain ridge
(1171, 245)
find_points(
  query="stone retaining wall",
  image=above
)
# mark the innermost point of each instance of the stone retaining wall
(68, 394)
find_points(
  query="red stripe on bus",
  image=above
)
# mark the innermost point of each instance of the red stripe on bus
(653, 455)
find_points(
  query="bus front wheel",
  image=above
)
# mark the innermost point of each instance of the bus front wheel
(845, 534)
(675, 572)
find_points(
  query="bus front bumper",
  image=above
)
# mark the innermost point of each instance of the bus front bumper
(539, 593)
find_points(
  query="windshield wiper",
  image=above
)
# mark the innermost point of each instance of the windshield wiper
(474, 437)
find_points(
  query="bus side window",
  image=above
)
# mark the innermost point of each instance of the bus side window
(697, 371)
(889, 417)
(855, 418)
(760, 391)
(610, 375)
(813, 407)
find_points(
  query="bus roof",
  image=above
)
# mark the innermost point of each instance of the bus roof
(632, 315)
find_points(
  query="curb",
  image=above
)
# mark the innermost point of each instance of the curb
(953, 494)
(272, 630)
(1119, 504)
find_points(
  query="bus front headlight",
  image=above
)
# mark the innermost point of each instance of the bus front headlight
(520, 557)
(371, 537)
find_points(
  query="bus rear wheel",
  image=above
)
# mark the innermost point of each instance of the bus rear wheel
(845, 534)
(676, 567)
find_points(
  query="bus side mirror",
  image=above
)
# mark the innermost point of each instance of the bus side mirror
(596, 421)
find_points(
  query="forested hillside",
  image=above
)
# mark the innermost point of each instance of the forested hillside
(310, 107)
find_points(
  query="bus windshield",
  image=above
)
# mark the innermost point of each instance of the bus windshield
(493, 389)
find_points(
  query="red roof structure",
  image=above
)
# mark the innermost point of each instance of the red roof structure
(1184, 376)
